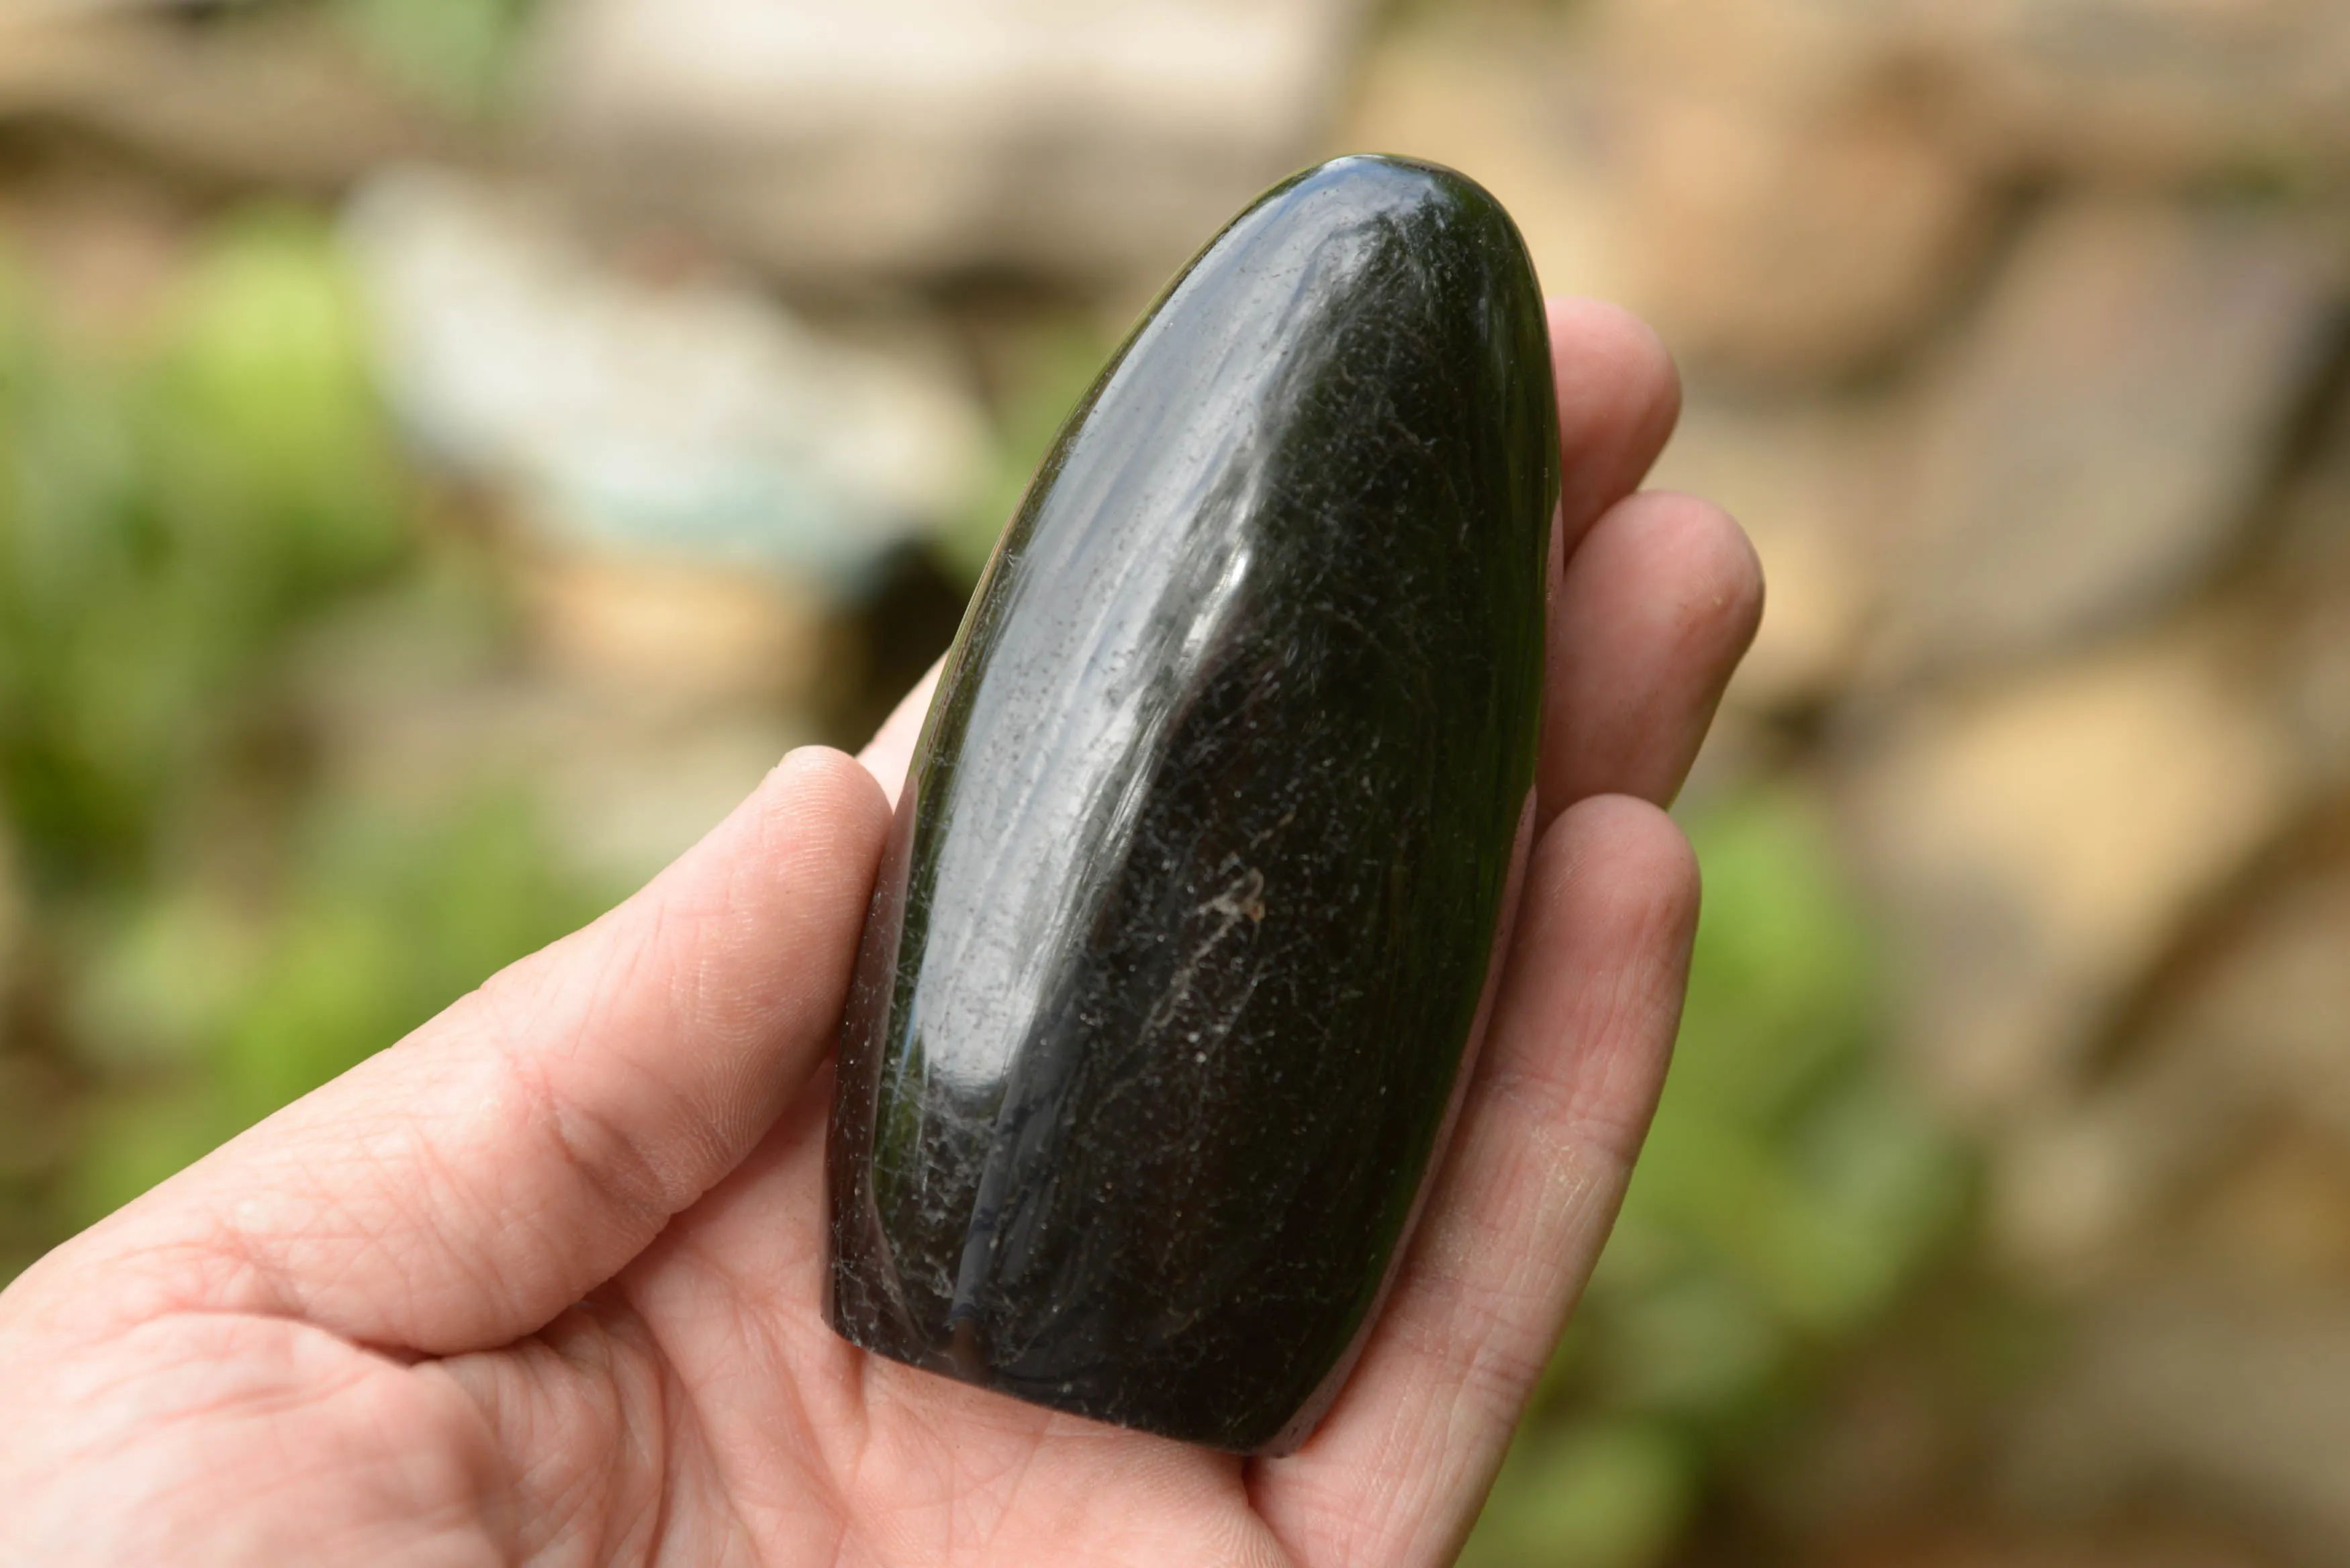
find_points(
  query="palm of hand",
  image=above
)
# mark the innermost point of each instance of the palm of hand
(540, 1284)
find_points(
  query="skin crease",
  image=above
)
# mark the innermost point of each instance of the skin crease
(540, 1284)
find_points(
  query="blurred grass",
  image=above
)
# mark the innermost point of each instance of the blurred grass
(164, 524)
(1789, 1193)
(194, 927)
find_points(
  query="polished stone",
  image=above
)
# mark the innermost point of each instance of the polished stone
(1194, 889)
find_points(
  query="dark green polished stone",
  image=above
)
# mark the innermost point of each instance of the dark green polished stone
(1192, 892)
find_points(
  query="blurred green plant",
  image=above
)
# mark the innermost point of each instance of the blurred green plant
(1790, 1190)
(458, 55)
(212, 1018)
(194, 926)
(163, 524)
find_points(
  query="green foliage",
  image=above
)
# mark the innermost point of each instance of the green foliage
(1789, 1191)
(456, 54)
(1784, 1165)
(163, 524)
(1599, 1495)
(197, 924)
(384, 923)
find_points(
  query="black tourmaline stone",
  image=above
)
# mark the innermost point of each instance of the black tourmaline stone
(1192, 893)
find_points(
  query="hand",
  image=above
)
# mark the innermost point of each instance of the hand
(542, 1282)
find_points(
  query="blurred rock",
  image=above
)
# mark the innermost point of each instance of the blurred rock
(1780, 220)
(627, 791)
(2278, 1217)
(12, 927)
(624, 783)
(2078, 1185)
(685, 634)
(1514, 108)
(2274, 1005)
(2139, 89)
(2101, 435)
(2234, 1398)
(1068, 138)
(663, 415)
(2038, 843)
(2307, 581)
(1793, 209)
(1811, 482)
(276, 98)
(1787, 56)
(2167, 1544)
(104, 247)
(1780, 245)
(415, 709)
(2118, 90)
(36, 1135)
(1882, 1443)
(2230, 1100)
(2316, 681)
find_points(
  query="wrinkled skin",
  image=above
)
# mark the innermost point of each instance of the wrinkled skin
(541, 1282)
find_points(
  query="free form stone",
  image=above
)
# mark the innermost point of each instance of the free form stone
(1190, 901)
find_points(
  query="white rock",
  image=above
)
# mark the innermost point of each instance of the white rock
(693, 417)
(1070, 137)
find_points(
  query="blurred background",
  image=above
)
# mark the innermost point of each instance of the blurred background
(449, 449)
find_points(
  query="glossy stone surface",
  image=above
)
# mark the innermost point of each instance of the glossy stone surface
(1189, 908)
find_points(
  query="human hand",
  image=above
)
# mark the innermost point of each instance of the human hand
(542, 1282)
